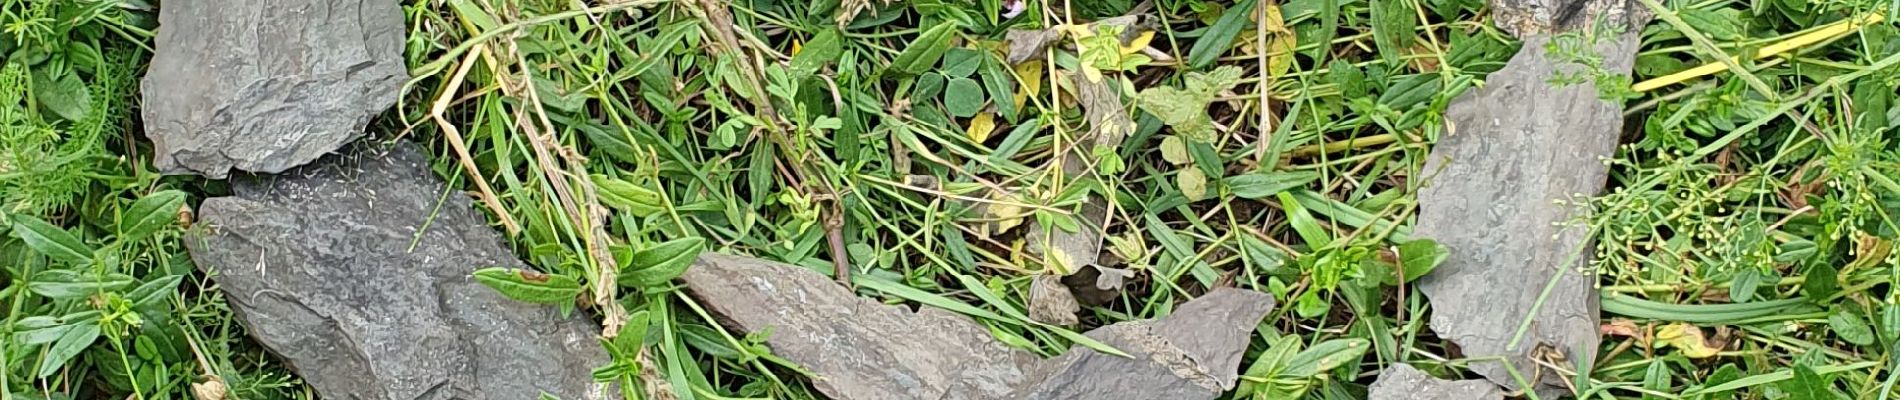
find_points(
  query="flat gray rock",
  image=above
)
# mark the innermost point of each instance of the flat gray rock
(349, 270)
(1193, 353)
(859, 349)
(1511, 152)
(1402, 382)
(267, 85)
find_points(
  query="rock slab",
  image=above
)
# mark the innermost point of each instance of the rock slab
(1511, 154)
(1402, 382)
(859, 349)
(267, 85)
(349, 270)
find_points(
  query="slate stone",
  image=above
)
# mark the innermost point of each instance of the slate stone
(1193, 353)
(267, 85)
(353, 272)
(1512, 152)
(859, 349)
(1402, 382)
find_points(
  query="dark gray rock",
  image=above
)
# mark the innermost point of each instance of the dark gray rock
(860, 349)
(1511, 153)
(266, 85)
(349, 270)
(1402, 382)
(1193, 353)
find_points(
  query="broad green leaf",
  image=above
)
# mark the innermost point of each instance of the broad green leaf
(69, 345)
(1259, 185)
(997, 82)
(1220, 37)
(61, 91)
(66, 284)
(149, 214)
(1269, 364)
(1392, 24)
(153, 292)
(1325, 356)
(658, 264)
(963, 97)
(1741, 287)
(1822, 282)
(1418, 257)
(1303, 223)
(1851, 328)
(530, 286)
(822, 50)
(961, 62)
(922, 54)
(50, 240)
(1809, 385)
(43, 329)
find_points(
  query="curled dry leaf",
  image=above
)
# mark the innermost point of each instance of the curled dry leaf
(1688, 339)
(211, 389)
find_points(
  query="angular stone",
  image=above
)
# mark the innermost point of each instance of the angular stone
(266, 85)
(860, 348)
(353, 271)
(1193, 353)
(1402, 382)
(1511, 153)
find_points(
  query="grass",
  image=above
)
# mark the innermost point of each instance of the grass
(1745, 245)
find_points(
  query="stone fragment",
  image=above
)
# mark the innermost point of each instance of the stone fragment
(267, 85)
(1193, 353)
(350, 270)
(1515, 157)
(859, 349)
(1402, 382)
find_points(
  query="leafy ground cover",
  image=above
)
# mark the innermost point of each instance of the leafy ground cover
(1744, 248)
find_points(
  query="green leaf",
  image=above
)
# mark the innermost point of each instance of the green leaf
(1822, 281)
(69, 345)
(1741, 287)
(530, 286)
(1325, 356)
(1279, 352)
(822, 50)
(152, 293)
(1185, 109)
(628, 196)
(1418, 257)
(50, 240)
(1259, 185)
(1809, 385)
(60, 91)
(961, 62)
(1192, 182)
(1851, 328)
(66, 284)
(658, 264)
(997, 82)
(1174, 150)
(1221, 35)
(922, 54)
(149, 214)
(963, 98)
(1303, 223)
(1392, 24)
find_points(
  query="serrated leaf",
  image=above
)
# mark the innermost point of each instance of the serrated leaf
(658, 264)
(530, 286)
(50, 240)
(149, 214)
(60, 91)
(1260, 185)
(963, 98)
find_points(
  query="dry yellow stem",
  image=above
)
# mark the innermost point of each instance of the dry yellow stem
(1819, 35)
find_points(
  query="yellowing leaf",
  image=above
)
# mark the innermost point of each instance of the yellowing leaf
(1029, 74)
(981, 126)
(797, 46)
(1687, 339)
(1140, 42)
(1174, 150)
(1006, 213)
(1193, 183)
(1281, 43)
